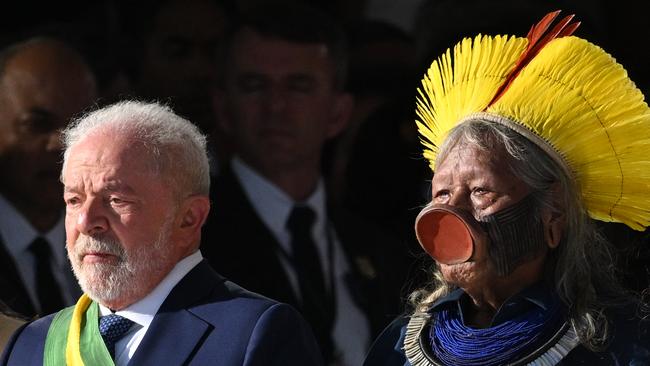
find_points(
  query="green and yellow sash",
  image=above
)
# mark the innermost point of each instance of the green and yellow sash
(74, 339)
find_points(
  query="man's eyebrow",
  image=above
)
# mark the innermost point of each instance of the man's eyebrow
(109, 187)
(116, 186)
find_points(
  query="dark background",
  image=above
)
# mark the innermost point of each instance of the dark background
(620, 27)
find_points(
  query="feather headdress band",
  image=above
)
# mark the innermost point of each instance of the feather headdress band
(563, 93)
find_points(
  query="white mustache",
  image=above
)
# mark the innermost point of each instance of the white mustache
(88, 244)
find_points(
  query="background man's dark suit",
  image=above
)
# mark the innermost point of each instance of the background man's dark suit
(204, 320)
(13, 291)
(14, 294)
(241, 247)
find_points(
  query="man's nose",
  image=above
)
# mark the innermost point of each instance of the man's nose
(277, 99)
(91, 218)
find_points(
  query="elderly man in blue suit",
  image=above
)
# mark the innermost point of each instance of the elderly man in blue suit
(136, 183)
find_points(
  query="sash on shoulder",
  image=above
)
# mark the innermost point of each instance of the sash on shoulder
(74, 339)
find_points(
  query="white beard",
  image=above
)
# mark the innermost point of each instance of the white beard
(127, 278)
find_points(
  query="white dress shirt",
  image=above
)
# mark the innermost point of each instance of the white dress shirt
(143, 311)
(18, 234)
(351, 331)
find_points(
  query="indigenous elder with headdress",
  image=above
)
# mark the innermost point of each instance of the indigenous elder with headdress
(136, 182)
(529, 139)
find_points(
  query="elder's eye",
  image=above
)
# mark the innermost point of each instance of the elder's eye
(117, 201)
(442, 195)
(480, 191)
(72, 201)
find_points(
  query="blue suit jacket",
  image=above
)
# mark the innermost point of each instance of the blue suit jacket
(205, 320)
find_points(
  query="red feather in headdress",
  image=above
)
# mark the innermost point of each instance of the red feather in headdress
(536, 43)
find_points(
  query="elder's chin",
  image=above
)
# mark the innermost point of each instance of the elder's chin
(460, 274)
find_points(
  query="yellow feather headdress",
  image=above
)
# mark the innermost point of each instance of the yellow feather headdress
(571, 98)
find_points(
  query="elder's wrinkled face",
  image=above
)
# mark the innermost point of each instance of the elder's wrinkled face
(120, 215)
(480, 183)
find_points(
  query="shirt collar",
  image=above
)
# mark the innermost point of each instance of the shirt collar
(272, 204)
(539, 295)
(143, 311)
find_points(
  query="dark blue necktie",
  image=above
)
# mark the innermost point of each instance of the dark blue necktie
(47, 290)
(316, 306)
(112, 328)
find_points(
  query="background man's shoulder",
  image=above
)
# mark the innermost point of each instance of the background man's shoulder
(26, 346)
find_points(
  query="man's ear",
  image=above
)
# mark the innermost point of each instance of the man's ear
(554, 220)
(192, 214)
(341, 114)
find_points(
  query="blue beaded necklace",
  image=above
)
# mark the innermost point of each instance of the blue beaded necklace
(454, 343)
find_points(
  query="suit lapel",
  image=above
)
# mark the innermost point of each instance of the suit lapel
(170, 339)
(176, 332)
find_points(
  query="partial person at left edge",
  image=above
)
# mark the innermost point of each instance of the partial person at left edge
(136, 182)
(44, 82)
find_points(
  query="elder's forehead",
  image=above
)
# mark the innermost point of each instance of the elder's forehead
(467, 153)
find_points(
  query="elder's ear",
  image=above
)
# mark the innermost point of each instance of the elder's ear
(553, 230)
(554, 220)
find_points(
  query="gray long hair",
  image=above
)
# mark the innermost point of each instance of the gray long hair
(177, 147)
(582, 268)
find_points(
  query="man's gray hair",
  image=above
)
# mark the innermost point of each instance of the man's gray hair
(583, 267)
(176, 146)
